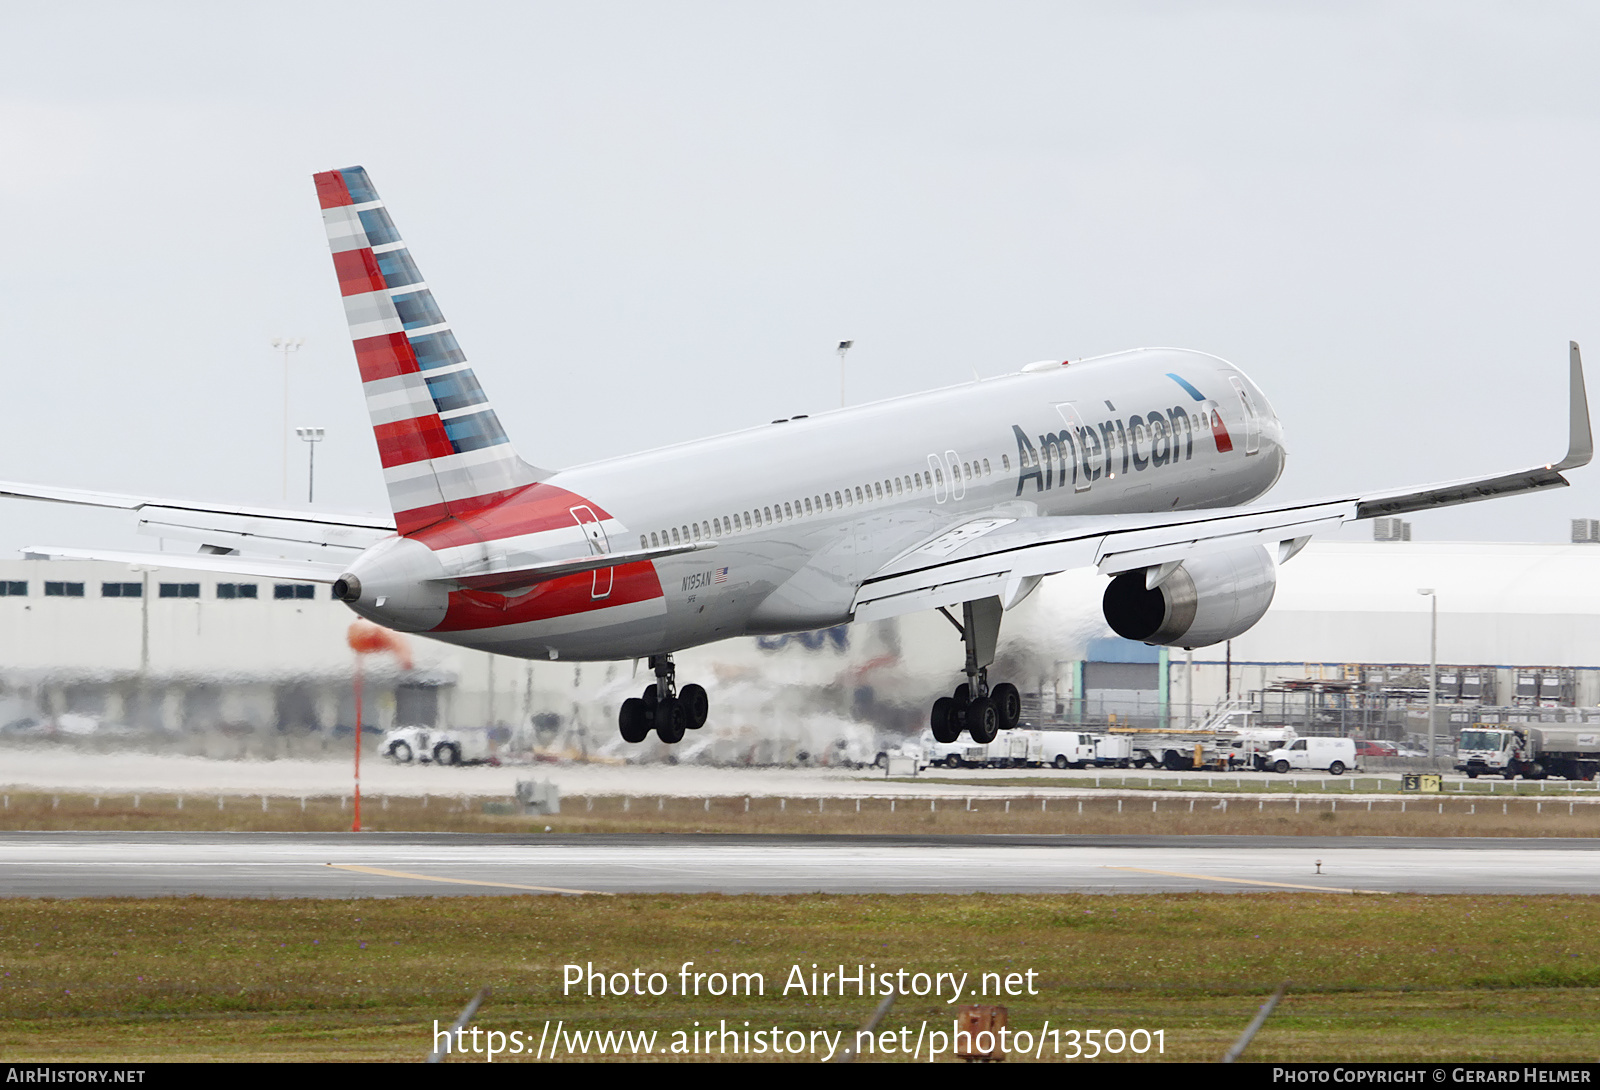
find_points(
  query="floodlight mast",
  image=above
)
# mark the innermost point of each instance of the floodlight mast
(1433, 664)
(286, 345)
(312, 437)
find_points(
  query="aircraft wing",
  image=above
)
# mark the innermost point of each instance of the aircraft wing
(1005, 557)
(224, 529)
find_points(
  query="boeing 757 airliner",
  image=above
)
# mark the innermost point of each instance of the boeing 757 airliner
(1136, 464)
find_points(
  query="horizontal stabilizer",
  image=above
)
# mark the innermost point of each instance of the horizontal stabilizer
(86, 498)
(255, 567)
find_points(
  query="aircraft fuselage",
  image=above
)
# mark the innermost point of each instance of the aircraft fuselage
(802, 511)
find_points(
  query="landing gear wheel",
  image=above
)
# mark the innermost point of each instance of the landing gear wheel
(672, 719)
(446, 753)
(401, 752)
(1009, 704)
(983, 720)
(943, 721)
(694, 699)
(634, 719)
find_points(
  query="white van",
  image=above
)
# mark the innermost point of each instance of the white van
(1067, 749)
(1332, 755)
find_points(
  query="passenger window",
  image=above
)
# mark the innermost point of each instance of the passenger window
(859, 499)
(986, 469)
(766, 514)
(675, 536)
(836, 500)
(1005, 461)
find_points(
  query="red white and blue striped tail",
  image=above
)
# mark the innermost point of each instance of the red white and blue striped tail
(444, 453)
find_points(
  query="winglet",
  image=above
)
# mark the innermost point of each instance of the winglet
(1580, 447)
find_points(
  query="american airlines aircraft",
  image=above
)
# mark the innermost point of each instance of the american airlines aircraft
(1135, 464)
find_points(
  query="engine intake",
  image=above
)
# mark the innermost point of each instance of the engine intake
(1206, 600)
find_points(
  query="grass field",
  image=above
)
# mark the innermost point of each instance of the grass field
(1391, 978)
(1110, 813)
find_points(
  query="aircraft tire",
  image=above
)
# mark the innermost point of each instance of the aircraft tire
(1009, 703)
(694, 699)
(401, 752)
(633, 720)
(946, 728)
(983, 720)
(446, 753)
(672, 719)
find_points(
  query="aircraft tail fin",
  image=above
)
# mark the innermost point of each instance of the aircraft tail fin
(443, 450)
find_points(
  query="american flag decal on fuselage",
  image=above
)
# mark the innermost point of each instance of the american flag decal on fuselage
(442, 447)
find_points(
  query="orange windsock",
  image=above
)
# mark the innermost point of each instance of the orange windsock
(369, 639)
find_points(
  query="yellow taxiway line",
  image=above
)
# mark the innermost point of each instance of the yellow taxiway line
(462, 881)
(1246, 881)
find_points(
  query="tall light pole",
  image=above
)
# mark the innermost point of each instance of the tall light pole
(286, 345)
(1433, 664)
(312, 437)
(844, 346)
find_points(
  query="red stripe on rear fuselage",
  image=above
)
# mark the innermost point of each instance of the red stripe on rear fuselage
(564, 597)
(527, 510)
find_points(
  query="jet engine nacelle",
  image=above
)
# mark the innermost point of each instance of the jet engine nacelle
(1205, 600)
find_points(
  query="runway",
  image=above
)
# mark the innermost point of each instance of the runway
(118, 864)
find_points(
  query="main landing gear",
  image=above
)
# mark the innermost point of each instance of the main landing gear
(974, 707)
(664, 708)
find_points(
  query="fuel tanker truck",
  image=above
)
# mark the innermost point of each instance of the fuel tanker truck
(1571, 752)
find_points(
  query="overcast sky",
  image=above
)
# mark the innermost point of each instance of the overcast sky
(648, 222)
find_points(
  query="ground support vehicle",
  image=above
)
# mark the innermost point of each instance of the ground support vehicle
(1016, 749)
(1571, 752)
(963, 753)
(1112, 751)
(1175, 749)
(1333, 755)
(440, 746)
(1068, 749)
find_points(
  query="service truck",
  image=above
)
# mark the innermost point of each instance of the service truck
(1571, 752)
